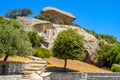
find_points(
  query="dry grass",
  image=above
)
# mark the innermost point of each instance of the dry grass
(17, 59)
(75, 65)
(55, 63)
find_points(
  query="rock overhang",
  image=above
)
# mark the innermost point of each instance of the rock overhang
(56, 14)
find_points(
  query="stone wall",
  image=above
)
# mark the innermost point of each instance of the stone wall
(13, 67)
(11, 77)
(85, 76)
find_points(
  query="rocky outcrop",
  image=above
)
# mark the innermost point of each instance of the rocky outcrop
(91, 46)
(56, 16)
(50, 32)
(91, 43)
(28, 23)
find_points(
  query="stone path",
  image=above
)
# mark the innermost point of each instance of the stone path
(37, 66)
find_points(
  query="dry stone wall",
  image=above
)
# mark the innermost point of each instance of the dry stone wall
(11, 77)
(13, 67)
(85, 76)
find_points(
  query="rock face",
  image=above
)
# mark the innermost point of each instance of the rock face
(28, 23)
(91, 43)
(91, 46)
(56, 15)
(50, 32)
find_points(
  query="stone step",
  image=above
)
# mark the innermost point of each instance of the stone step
(27, 72)
(35, 69)
(39, 62)
(25, 79)
(36, 58)
(26, 76)
(38, 65)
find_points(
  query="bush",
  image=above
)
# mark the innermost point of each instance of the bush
(115, 68)
(42, 52)
(42, 17)
(61, 22)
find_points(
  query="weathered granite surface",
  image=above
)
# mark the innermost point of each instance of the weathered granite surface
(91, 43)
(55, 15)
(28, 23)
(51, 30)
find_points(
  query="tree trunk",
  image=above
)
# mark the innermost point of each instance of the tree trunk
(5, 59)
(65, 65)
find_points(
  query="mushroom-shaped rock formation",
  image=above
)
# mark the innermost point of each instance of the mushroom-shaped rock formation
(57, 16)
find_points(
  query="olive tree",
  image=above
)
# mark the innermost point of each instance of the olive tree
(18, 12)
(13, 39)
(109, 54)
(68, 45)
(35, 39)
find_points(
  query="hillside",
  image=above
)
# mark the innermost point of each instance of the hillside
(57, 64)
(72, 65)
(17, 59)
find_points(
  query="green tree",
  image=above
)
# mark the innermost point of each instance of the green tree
(102, 37)
(35, 38)
(18, 12)
(107, 38)
(13, 39)
(68, 45)
(91, 32)
(109, 54)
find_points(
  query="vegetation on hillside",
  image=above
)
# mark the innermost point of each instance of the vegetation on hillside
(109, 50)
(13, 39)
(109, 54)
(68, 46)
(18, 12)
(115, 68)
(42, 17)
(35, 39)
(42, 52)
(106, 38)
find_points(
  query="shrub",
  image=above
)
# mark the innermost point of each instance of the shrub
(115, 68)
(42, 52)
(61, 22)
(42, 17)
(18, 12)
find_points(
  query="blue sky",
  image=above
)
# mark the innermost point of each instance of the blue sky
(103, 16)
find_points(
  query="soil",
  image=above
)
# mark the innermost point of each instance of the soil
(72, 66)
(56, 65)
(17, 59)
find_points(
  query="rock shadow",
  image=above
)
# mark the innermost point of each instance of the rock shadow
(59, 69)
